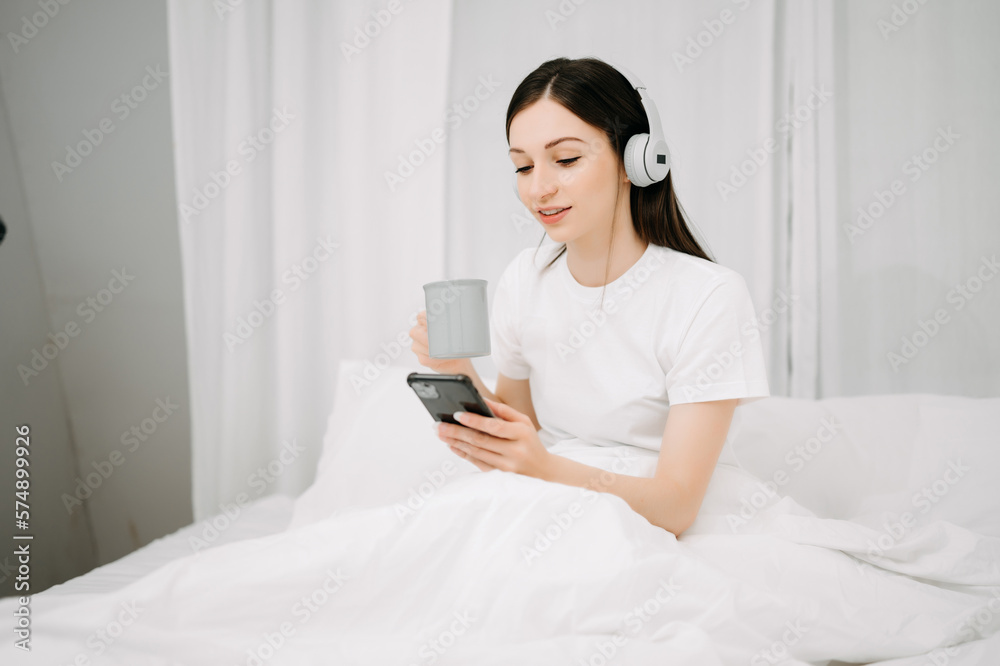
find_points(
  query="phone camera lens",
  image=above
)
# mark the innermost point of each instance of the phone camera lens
(425, 390)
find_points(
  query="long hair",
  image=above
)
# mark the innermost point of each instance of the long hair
(602, 97)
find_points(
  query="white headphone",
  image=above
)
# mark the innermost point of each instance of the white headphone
(647, 158)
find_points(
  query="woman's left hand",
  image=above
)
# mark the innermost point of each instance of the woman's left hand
(508, 442)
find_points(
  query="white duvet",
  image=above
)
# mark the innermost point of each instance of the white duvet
(401, 553)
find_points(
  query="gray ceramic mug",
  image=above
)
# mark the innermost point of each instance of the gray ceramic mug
(458, 321)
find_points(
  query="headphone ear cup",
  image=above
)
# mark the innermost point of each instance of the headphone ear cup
(654, 166)
(633, 158)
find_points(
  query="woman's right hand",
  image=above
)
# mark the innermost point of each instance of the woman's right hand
(421, 347)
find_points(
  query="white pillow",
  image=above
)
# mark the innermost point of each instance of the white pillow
(884, 453)
(379, 447)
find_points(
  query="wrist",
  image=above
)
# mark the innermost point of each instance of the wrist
(463, 366)
(548, 466)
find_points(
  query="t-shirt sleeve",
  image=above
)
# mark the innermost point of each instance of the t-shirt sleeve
(716, 354)
(505, 324)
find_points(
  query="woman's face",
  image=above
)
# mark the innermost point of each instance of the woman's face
(562, 162)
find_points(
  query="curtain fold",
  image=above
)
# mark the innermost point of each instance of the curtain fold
(808, 204)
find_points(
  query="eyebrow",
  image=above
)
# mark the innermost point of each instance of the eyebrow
(550, 143)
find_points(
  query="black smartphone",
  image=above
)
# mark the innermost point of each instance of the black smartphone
(443, 395)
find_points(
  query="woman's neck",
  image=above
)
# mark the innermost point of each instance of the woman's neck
(588, 262)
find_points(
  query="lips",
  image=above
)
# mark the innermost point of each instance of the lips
(556, 214)
(554, 210)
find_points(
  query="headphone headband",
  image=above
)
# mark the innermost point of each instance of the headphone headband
(655, 129)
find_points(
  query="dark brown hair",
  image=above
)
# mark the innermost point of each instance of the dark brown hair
(602, 97)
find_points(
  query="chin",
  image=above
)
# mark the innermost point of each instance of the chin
(556, 235)
(560, 234)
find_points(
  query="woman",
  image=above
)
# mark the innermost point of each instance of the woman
(662, 365)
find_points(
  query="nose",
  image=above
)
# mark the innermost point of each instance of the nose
(543, 184)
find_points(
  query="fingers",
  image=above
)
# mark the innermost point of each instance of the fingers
(506, 412)
(480, 457)
(418, 334)
(483, 467)
(465, 450)
(469, 436)
(495, 427)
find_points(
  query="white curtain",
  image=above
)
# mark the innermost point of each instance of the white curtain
(917, 105)
(781, 117)
(261, 244)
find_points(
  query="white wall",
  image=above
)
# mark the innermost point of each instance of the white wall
(114, 211)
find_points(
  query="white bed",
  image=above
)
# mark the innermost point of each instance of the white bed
(267, 515)
(402, 553)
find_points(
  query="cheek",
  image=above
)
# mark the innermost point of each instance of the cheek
(597, 188)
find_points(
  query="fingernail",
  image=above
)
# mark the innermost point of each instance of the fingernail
(458, 415)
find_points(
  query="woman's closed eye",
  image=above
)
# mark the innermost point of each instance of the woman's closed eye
(566, 162)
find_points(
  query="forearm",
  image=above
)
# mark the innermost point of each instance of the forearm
(660, 502)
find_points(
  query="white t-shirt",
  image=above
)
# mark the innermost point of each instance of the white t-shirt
(673, 329)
